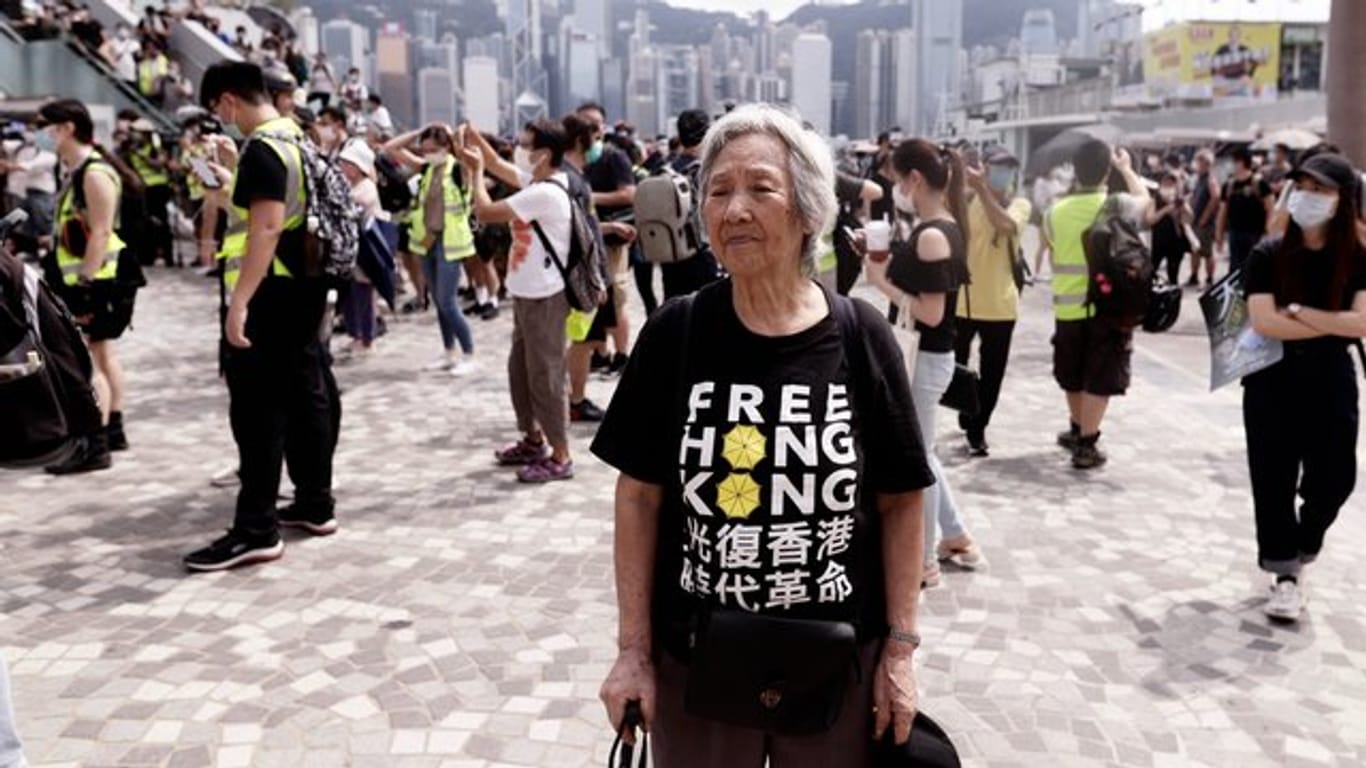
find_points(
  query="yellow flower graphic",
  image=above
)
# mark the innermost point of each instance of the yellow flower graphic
(744, 447)
(737, 496)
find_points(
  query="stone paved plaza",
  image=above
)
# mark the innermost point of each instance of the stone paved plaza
(461, 620)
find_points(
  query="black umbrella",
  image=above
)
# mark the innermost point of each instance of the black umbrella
(273, 21)
(1062, 148)
(376, 257)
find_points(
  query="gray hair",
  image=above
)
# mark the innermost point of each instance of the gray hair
(810, 164)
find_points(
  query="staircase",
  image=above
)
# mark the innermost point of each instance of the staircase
(63, 68)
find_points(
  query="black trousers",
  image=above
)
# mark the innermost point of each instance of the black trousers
(284, 407)
(159, 241)
(995, 355)
(1301, 421)
(1173, 256)
(644, 273)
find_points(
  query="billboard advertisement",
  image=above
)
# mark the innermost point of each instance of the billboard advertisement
(1213, 60)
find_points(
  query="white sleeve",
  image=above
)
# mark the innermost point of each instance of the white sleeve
(531, 203)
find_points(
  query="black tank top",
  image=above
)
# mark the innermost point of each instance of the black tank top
(909, 273)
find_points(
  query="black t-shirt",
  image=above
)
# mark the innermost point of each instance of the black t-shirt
(771, 459)
(884, 208)
(1246, 204)
(611, 173)
(281, 303)
(907, 272)
(1310, 283)
(1169, 237)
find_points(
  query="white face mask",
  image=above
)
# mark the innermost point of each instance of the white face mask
(435, 158)
(327, 133)
(1168, 195)
(1311, 210)
(902, 201)
(521, 157)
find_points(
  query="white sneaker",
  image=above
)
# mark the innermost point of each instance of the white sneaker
(228, 478)
(1286, 601)
(442, 363)
(464, 367)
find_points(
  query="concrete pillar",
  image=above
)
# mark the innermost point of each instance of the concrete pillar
(1346, 84)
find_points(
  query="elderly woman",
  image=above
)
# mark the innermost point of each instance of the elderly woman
(767, 608)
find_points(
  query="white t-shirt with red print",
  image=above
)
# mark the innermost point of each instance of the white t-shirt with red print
(532, 274)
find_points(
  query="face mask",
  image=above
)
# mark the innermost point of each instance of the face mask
(521, 157)
(1000, 178)
(594, 152)
(327, 133)
(902, 201)
(1311, 210)
(435, 158)
(45, 141)
(1168, 195)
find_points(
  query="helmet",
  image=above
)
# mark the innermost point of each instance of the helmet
(1164, 307)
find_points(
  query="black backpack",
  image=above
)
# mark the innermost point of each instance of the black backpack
(584, 268)
(46, 400)
(131, 226)
(1120, 267)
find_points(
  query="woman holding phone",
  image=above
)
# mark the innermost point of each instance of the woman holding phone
(1307, 289)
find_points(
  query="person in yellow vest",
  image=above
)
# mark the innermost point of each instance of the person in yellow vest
(282, 402)
(87, 256)
(149, 160)
(1090, 357)
(440, 229)
(153, 68)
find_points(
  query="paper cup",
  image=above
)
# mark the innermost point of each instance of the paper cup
(877, 236)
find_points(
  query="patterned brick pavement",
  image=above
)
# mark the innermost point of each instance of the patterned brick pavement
(461, 620)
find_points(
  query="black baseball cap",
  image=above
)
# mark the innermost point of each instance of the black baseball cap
(1329, 169)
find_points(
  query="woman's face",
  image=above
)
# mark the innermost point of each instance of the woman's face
(749, 211)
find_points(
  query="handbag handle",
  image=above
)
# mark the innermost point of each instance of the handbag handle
(632, 719)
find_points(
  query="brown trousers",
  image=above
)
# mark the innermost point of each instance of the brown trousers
(680, 740)
(536, 372)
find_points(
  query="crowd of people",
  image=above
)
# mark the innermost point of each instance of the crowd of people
(755, 389)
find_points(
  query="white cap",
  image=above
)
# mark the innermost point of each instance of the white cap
(359, 154)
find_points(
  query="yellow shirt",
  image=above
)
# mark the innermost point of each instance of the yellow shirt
(993, 292)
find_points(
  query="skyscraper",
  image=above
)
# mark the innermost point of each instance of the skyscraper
(436, 96)
(347, 45)
(643, 92)
(393, 73)
(811, 61)
(582, 66)
(594, 18)
(678, 82)
(481, 93)
(528, 77)
(907, 78)
(939, 38)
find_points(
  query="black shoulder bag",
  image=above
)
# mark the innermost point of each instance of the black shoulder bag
(963, 392)
(787, 676)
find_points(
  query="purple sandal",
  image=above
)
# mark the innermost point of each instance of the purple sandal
(546, 471)
(522, 453)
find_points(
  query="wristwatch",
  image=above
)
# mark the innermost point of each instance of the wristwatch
(1293, 309)
(902, 636)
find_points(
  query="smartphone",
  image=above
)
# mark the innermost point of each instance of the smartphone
(205, 174)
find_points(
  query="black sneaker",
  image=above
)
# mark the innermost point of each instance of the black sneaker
(114, 434)
(977, 445)
(600, 363)
(414, 305)
(236, 549)
(489, 312)
(320, 522)
(586, 410)
(1088, 454)
(91, 455)
(618, 365)
(472, 309)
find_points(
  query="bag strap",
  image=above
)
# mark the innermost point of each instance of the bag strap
(632, 719)
(545, 241)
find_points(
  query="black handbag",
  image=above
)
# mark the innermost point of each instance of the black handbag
(929, 747)
(786, 676)
(631, 720)
(963, 395)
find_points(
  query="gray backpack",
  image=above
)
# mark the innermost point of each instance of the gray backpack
(668, 227)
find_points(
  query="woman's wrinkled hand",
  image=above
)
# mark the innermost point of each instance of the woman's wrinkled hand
(894, 696)
(632, 679)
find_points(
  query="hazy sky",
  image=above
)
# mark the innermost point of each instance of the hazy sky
(1159, 11)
